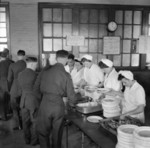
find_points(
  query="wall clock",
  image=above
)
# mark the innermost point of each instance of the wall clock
(112, 26)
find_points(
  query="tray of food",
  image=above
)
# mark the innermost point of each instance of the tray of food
(112, 124)
(88, 107)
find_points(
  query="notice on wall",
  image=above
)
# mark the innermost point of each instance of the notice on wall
(111, 45)
(75, 41)
(144, 44)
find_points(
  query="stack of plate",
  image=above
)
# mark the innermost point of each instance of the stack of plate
(142, 137)
(111, 108)
(125, 136)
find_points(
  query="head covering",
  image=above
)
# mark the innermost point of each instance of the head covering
(87, 57)
(31, 59)
(127, 74)
(107, 62)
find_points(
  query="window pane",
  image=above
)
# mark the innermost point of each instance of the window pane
(127, 31)
(68, 48)
(3, 40)
(57, 15)
(100, 47)
(2, 17)
(93, 16)
(84, 16)
(47, 30)
(67, 15)
(93, 30)
(47, 14)
(2, 32)
(2, 9)
(119, 17)
(84, 48)
(136, 31)
(57, 30)
(102, 30)
(101, 56)
(128, 17)
(2, 46)
(47, 44)
(57, 44)
(2, 25)
(135, 60)
(147, 58)
(93, 45)
(84, 30)
(103, 16)
(118, 32)
(137, 17)
(126, 60)
(67, 29)
(117, 60)
(52, 59)
(126, 46)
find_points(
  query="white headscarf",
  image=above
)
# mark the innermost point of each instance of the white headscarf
(127, 74)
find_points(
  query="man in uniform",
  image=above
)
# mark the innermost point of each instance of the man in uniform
(14, 70)
(29, 103)
(55, 83)
(4, 66)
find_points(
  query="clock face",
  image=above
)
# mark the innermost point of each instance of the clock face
(112, 26)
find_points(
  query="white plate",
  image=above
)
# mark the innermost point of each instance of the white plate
(104, 90)
(94, 119)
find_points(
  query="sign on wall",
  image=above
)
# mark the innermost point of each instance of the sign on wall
(111, 45)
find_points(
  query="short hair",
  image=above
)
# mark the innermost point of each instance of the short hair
(120, 77)
(4, 54)
(84, 59)
(21, 53)
(6, 50)
(71, 56)
(102, 65)
(62, 54)
(31, 59)
(76, 60)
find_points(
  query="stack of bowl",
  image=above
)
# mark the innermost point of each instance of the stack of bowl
(142, 137)
(111, 107)
(125, 136)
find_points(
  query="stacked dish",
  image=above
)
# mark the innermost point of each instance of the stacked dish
(111, 107)
(125, 136)
(142, 137)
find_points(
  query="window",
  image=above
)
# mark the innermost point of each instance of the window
(4, 31)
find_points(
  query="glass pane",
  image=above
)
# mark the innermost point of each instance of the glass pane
(2, 32)
(95, 58)
(52, 59)
(118, 32)
(127, 31)
(93, 16)
(93, 30)
(2, 47)
(84, 16)
(47, 30)
(147, 58)
(117, 60)
(57, 30)
(2, 17)
(84, 30)
(93, 45)
(57, 15)
(102, 30)
(2, 25)
(103, 16)
(136, 31)
(100, 46)
(67, 15)
(57, 44)
(126, 46)
(47, 14)
(135, 60)
(119, 17)
(126, 60)
(68, 48)
(2, 9)
(47, 44)
(3, 40)
(128, 17)
(84, 48)
(101, 56)
(137, 17)
(67, 29)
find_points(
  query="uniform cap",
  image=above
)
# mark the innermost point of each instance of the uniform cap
(127, 74)
(87, 57)
(107, 62)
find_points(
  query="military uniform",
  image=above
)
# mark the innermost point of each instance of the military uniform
(55, 83)
(29, 104)
(4, 66)
(14, 70)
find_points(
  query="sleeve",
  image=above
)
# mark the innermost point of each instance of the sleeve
(100, 74)
(70, 91)
(10, 76)
(19, 86)
(36, 87)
